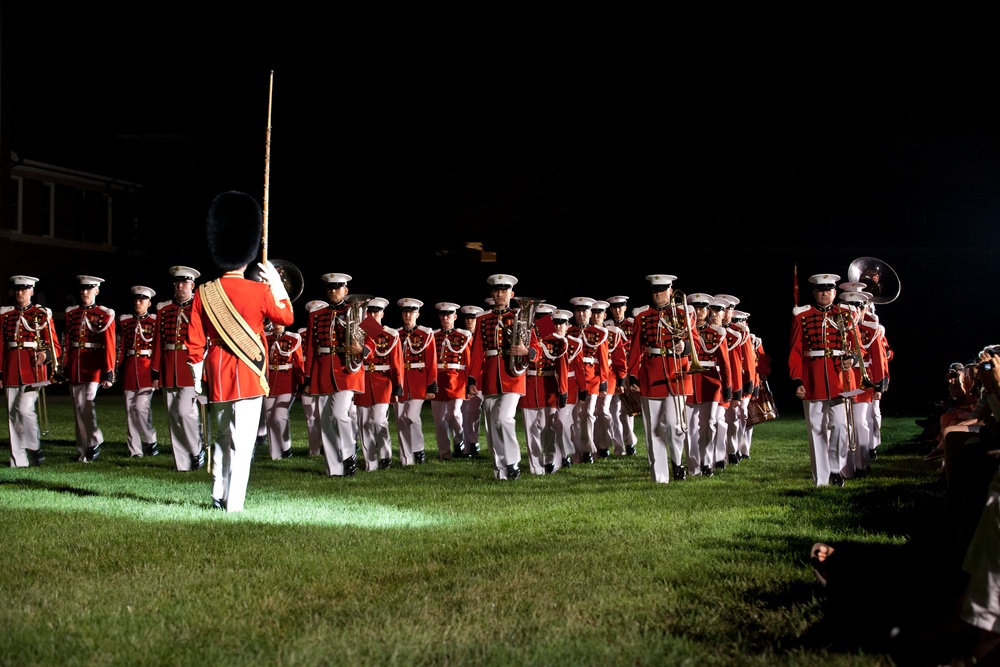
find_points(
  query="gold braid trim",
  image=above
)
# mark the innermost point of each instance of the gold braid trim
(234, 330)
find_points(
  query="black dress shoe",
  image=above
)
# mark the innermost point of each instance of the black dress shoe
(384, 463)
(350, 466)
(586, 458)
(734, 459)
(720, 465)
(471, 449)
(744, 457)
(603, 453)
(287, 454)
(93, 453)
(680, 473)
(420, 457)
(836, 480)
(706, 471)
(873, 455)
(567, 462)
(459, 450)
(198, 460)
(218, 504)
(35, 457)
(550, 468)
(260, 441)
(513, 472)
(630, 450)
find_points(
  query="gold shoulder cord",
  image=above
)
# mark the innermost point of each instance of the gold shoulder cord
(235, 331)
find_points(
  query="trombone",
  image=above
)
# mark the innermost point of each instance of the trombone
(682, 329)
(842, 325)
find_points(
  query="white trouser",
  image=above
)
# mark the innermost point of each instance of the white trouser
(235, 434)
(279, 433)
(88, 434)
(629, 438)
(540, 434)
(585, 416)
(448, 427)
(664, 435)
(618, 424)
(827, 424)
(410, 430)
(139, 415)
(22, 420)
(742, 414)
(566, 434)
(499, 418)
(374, 429)
(860, 459)
(337, 428)
(310, 407)
(732, 434)
(701, 436)
(718, 454)
(472, 417)
(608, 428)
(876, 423)
(184, 421)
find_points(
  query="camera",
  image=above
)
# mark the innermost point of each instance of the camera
(986, 366)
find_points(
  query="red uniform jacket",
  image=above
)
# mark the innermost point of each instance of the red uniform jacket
(383, 369)
(135, 351)
(327, 369)
(617, 358)
(419, 362)
(170, 350)
(546, 377)
(660, 372)
(285, 368)
(89, 347)
(591, 365)
(23, 333)
(229, 378)
(713, 354)
(488, 367)
(817, 349)
(454, 352)
(574, 347)
(748, 357)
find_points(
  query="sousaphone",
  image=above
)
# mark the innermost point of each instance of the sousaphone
(879, 278)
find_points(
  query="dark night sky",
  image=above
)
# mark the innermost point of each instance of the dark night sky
(584, 159)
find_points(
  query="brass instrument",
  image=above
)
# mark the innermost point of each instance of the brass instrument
(519, 333)
(682, 329)
(291, 276)
(357, 305)
(879, 278)
(842, 324)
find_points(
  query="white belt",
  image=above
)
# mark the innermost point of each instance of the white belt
(171, 346)
(546, 374)
(24, 344)
(571, 374)
(141, 353)
(654, 350)
(868, 363)
(92, 346)
(281, 367)
(589, 360)
(455, 367)
(324, 350)
(823, 353)
(415, 364)
(492, 353)
(707, 364)
(379, 367)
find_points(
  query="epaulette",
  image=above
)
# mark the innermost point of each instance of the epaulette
(390, 330)
(426, 330)
(70, 309)
(109, 311)
(465, 332)
(163, 304)
(798, 310)
(127, 316)
(717, 329)
(6, 309)
(293, 334)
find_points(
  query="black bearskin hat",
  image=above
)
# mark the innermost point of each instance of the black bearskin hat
(235, 223)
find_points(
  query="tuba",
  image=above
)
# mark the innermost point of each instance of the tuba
(519, 333)
(879, 278)
(356, 306)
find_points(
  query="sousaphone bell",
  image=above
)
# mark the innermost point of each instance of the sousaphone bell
(879, 278)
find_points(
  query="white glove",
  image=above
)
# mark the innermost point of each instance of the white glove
(273, 279)
(196, 375)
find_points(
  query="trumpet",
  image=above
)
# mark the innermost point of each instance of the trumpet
(357, 303)
(519, 333)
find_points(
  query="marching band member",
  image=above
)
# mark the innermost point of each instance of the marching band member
(226, 344)
(624, 430)
(727, 428)
(591, 370)
(454, 349)
(383, 385)
(310, 407)
(545, 392)
(89, 362)
(567, 427)
(497, 354)
(762, 364)
(709, 387)
(659, 359)
(817, 360)
(335, 372)
(170, 372)
(607, 429)
(134, 363)
(30, 345)
(750, 384)
(419, 381)
(472, 415)
(286, 371)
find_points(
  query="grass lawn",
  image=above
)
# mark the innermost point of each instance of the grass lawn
(121, 561)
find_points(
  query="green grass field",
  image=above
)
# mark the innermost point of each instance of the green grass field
(121, 561)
